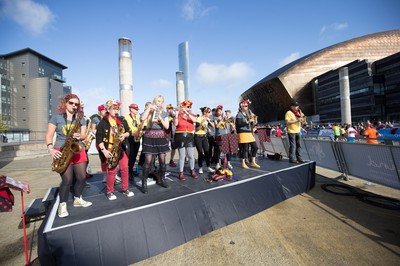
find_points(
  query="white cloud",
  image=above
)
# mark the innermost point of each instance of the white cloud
(193, 9)
(323, 29)
(340, 26)
(223, 75)
(34, 17)
(161, 84)
(335, 27)
(292, 57)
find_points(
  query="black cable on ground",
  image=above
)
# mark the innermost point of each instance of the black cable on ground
(367, 197)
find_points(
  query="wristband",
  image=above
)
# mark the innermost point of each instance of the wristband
(48, 144)
(102, 149)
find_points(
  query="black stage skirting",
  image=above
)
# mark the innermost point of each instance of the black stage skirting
(128, 230)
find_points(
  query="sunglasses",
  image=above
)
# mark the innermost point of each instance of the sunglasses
(73, 103)
(245, 106)
(189, 106)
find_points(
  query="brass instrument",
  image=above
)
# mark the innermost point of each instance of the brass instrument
(229, 122)
(89, 137)
(69, 148)
(115, 148)
(156, 113)
(140, 132)
(143, 124)
(303, 117)
(252, 119)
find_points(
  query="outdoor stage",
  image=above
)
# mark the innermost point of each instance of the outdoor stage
(128, 230)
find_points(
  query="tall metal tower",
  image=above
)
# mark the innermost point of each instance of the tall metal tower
(125, 74)
(180, 88)
(184, 66)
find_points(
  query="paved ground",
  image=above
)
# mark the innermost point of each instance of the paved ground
(315, 228)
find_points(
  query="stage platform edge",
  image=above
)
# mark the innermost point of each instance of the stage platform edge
(136, 234)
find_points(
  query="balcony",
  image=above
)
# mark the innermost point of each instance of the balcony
(58, 78)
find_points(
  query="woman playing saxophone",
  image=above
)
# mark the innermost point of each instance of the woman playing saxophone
(110, 136)
(245, 122)
(65, 125)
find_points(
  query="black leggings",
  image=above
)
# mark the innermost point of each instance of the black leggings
(73, 170)
(148, 160)
(244, 147)
(218, 151)
(202, 147)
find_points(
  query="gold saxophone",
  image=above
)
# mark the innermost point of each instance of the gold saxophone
(89, 137)
(115, 148)
(69, 148)
(143, 124)
(140, 131)
(253, 117)
(303, 117)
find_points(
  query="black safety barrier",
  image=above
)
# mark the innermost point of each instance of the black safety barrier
(378, 163)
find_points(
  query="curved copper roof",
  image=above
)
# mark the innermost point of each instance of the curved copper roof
(272, 95)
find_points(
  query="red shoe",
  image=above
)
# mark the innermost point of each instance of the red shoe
(89, 175)
(172, 164)
(193, 174)
(181, 176)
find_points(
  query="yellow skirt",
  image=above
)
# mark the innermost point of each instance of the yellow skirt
(246, 137)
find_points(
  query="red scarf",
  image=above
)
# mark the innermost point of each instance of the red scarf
(296, 113)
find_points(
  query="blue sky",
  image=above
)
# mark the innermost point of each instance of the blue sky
(232, 44)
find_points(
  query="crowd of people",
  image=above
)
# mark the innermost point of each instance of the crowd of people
(341, 132)
(214, 132)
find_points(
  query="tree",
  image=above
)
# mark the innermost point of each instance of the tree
(3, 126)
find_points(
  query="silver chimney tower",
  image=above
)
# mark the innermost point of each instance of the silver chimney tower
(125, 74)
(180, 88)
(184, 66)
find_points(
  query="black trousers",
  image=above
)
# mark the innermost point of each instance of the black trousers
(133, 152)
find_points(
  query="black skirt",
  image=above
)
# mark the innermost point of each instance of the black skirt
(184, 140)
(155, 145)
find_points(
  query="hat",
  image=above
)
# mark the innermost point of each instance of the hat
(100, 107)
(220, 107)
(186, 103)
(134, 106)
(228, 111)
(110, 103)
(294, 104)
(169, 106)
(245, 102)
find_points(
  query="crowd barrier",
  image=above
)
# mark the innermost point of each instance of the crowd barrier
(377, 163)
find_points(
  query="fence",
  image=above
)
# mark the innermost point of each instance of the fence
(378, 163)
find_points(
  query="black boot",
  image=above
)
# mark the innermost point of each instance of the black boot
(161, 177)
(143, 188)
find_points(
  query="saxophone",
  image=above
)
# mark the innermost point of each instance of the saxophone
(140, 131)
(253, 117)
(115, 149)
(144, 123)
(303, 117)
(69, 148)
(89, 137)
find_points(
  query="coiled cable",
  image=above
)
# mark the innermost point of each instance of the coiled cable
(365, 196)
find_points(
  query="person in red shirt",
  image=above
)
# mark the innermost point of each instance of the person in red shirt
(184, 137)
(278, 133)
(371, 134)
